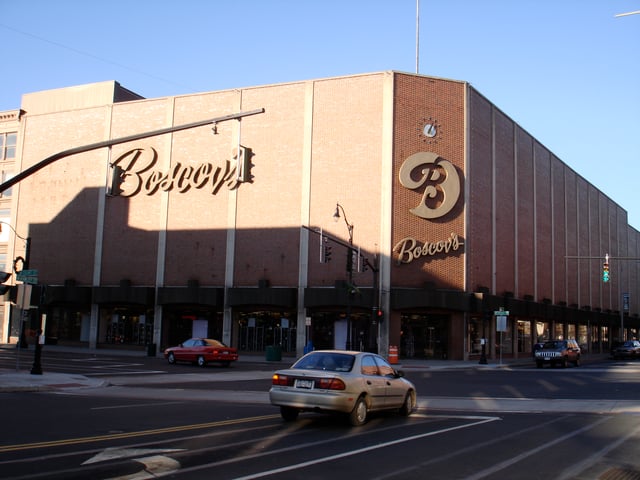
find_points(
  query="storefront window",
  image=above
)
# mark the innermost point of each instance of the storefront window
(524, 336)
(474, 336)
(67, 326)
(125, 326)
(604, 339)
(599, 339)
(558, 331)
(329, 330)
(257, 330)
(571, 331)
(582, 337)
(182, 323)
(542, 332)
(425, 336)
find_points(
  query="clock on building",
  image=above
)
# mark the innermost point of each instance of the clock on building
(429, 129)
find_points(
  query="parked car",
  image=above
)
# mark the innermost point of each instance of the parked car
(202, 351)
(339, 381)
(560, 352)
(628, 349)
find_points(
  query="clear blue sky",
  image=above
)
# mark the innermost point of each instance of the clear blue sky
(567, 71)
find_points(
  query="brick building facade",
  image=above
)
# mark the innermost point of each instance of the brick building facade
(450, 209)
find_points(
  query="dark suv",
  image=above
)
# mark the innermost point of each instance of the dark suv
(561, 352)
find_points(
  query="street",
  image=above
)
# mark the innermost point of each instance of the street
(182, 421)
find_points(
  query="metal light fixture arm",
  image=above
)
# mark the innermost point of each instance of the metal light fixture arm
(336, 216)
(27, 248)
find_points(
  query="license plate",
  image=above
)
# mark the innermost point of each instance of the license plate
(308, 384)
(225, 353)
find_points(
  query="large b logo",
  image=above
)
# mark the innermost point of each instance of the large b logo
(441, 180)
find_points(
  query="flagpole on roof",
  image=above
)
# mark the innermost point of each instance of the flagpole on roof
(417, 36)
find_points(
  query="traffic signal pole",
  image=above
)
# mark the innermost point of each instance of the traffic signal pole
(606, 277)
(117, 141)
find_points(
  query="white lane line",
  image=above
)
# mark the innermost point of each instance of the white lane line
(534, 451)
(363, 450)
(579, 467)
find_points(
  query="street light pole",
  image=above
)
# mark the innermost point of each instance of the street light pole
(27, 245)
(336, 217)
(483, 355)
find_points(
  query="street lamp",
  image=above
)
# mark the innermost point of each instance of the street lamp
(27, 247)
(483, 341)
(336, 217)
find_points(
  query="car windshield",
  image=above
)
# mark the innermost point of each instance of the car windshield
(214, 343)
(552, 344)
(334, 362)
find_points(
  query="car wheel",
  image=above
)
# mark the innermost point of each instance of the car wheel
(563, 363)
(358, 415)
(408, 405)
(539, 364)
(171, 358)
(201, 361)
(289, 414)
(577, 362)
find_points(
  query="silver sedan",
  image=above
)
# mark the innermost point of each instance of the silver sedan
(353, 383)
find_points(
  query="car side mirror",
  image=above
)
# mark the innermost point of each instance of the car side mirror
(399, 373)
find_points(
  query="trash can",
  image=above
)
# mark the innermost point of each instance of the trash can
(151, 350)
(274, 353)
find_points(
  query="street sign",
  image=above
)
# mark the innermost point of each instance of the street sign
(28, 276)
(501, 313)
(501, 323)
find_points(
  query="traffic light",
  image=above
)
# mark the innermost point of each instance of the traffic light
(244, 164)
(605, 272)
(365, 264)
(326, 251)
(4, 277)
(117, 177)
(350, 253)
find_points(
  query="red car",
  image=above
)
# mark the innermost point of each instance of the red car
(201, 351)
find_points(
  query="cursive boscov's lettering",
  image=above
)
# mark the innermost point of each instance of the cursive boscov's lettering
(409, 249)
(138, 176)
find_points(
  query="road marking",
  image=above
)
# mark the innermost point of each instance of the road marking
(141, 433)
(575, 470)
(358, 451)
(502, 465)
(114, 453)
(135, 405)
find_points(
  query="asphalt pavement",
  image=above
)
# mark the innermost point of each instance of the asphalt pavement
(25, 381)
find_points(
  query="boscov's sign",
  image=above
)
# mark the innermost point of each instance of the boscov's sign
(409, 249)
(140, 176)
(440, 180)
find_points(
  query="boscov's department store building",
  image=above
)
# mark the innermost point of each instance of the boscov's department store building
(448, 211)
